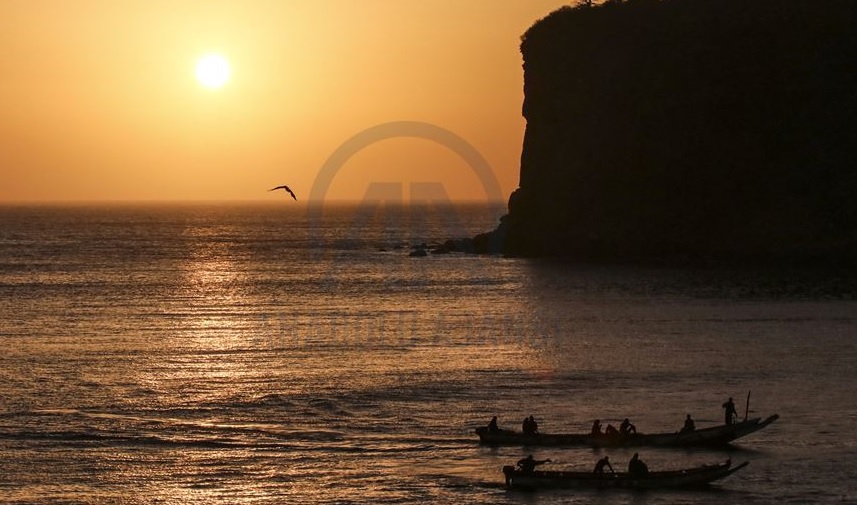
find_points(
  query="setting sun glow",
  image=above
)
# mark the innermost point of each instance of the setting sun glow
(192, 100)
(212, 71)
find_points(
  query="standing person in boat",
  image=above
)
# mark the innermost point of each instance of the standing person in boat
(689, 425)
(636, 467)
(492, 425)
(525, 426)
(730, 413)
(626, 428)
(596, 428)
(603, 462)
(528, 464)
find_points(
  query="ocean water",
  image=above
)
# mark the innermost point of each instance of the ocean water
(258, 354)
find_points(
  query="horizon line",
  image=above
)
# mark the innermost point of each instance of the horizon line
(305, 203)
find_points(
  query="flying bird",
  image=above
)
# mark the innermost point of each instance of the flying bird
(289, 191)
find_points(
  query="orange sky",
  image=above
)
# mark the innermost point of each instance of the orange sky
(98, 99)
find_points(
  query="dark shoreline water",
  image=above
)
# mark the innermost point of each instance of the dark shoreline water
(760, 281)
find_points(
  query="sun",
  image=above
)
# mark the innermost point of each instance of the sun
(212, 71)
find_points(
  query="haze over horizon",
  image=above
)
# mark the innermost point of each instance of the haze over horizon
(100, 100)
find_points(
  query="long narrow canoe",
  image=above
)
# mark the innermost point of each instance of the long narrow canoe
(689, 477)
(705, 437)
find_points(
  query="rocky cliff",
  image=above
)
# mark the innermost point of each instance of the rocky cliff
(688, 129)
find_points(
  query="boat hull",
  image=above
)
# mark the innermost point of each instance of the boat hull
(706, 437)
(691, 477)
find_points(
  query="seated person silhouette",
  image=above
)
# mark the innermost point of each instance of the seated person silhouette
(626, 428)
(689, 425)
(601, 464)
(636, 467)
(528, 464)
(492, 425)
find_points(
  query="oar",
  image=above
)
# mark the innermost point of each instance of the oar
(747, 408)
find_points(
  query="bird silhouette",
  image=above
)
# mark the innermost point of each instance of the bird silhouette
(289, 191)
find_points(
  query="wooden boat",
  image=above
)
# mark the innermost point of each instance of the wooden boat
(704, 437)
(689, 477)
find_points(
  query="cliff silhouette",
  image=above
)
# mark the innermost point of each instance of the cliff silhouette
(661, 130)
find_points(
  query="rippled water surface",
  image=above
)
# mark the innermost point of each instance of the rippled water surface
(251, 354)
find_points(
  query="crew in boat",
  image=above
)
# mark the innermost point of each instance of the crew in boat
(530, 426)
(602, 463)
(528, 464)
(492, 425)
(730, 413)
(611, 430)
(596, 428)
(636, 467)
(689, 425)
(626, 428)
